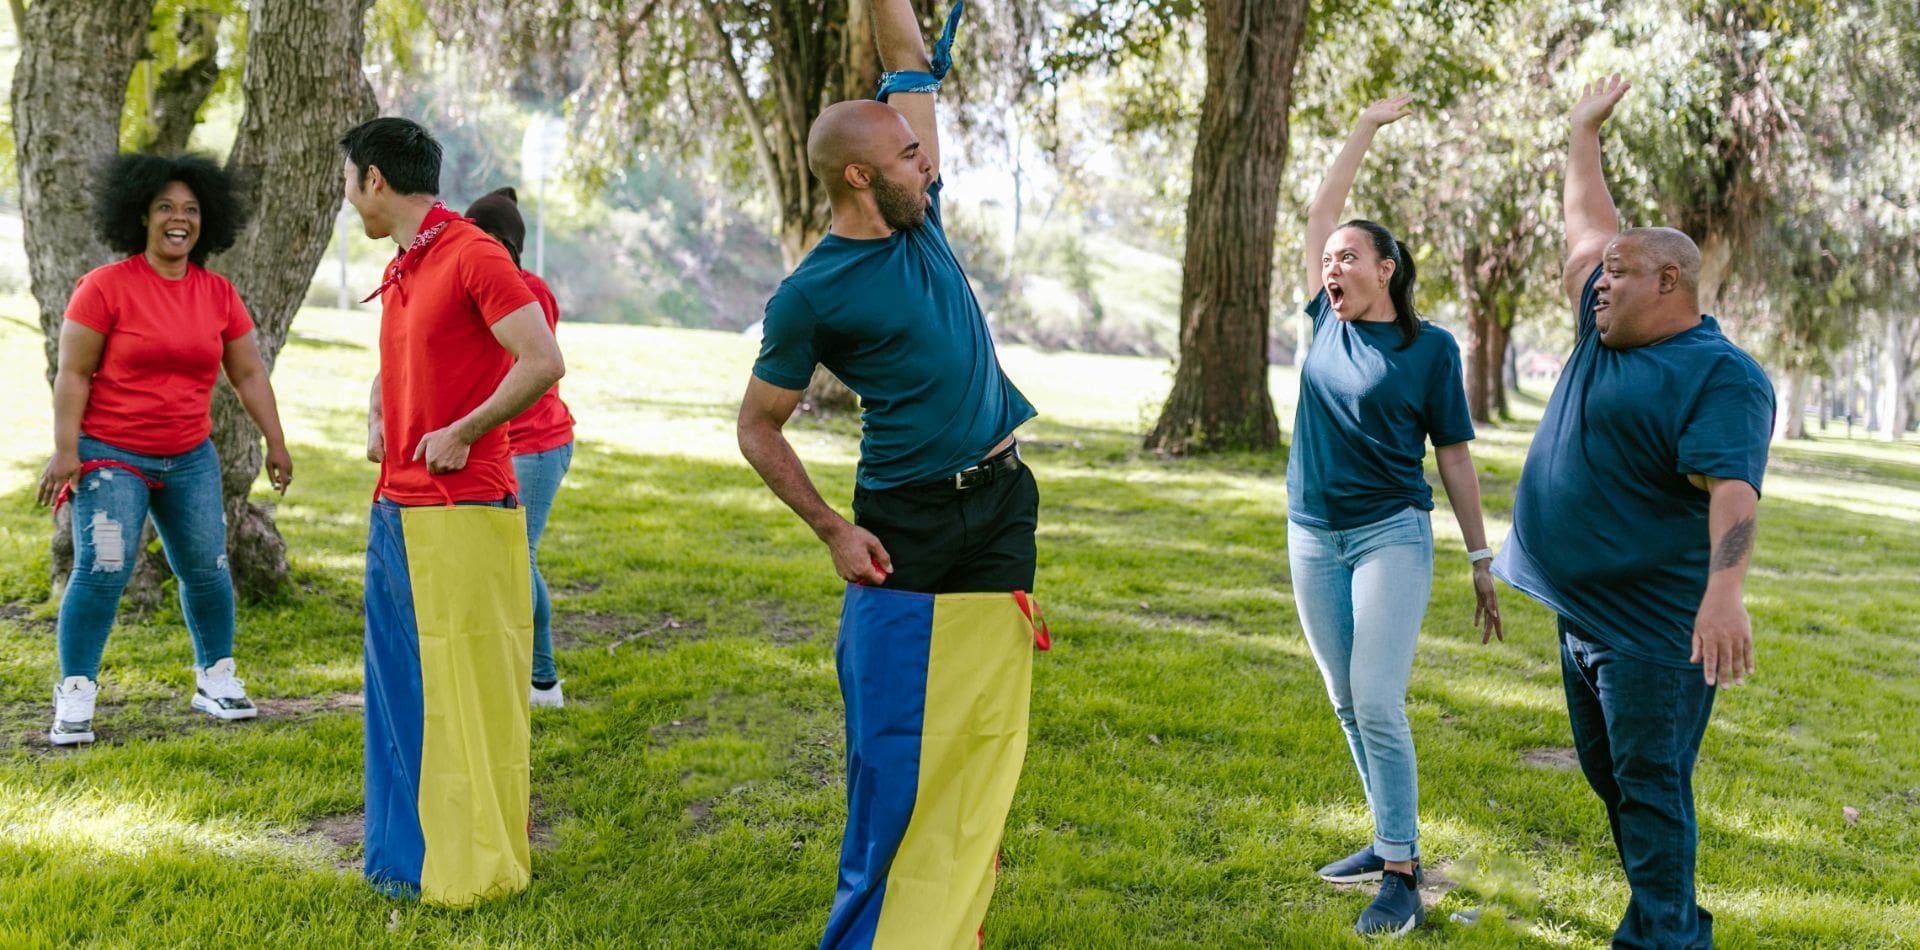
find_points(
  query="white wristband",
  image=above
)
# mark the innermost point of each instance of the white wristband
(1475, 557)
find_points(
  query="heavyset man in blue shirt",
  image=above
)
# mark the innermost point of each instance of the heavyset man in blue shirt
(1634, 521)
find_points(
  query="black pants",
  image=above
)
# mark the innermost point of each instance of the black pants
(945, 540)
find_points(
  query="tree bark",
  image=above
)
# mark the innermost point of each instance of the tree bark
(1898, 352)
(1497, 335)
(182, 89)
(1793, 416)
(1220, 399)
(69, 86)
(297, 105)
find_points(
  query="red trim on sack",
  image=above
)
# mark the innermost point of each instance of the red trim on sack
(1042, 637)
(66, 491)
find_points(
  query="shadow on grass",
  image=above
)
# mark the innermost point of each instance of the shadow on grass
(1185, 774)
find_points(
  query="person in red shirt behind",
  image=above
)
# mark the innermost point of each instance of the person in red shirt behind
(464, 348)
(541, 440)
(143, 343)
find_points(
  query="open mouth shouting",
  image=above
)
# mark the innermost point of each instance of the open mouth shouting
(1335, 294)
(177, 239)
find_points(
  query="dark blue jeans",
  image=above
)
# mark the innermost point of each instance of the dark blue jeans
(1637, 728)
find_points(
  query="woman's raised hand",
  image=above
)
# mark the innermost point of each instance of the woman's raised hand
(1385, 111)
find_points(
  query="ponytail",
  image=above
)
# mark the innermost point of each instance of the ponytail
(1400, 286)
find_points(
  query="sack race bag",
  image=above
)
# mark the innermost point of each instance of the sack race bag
(936, 689)
(449, 653)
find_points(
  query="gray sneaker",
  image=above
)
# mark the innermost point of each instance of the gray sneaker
(73, 711)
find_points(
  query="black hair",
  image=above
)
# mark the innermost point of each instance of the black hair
(407, 155)
(1400, 285)
(125, 185)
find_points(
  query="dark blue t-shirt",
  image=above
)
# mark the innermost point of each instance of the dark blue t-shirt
(1607, 530)
(1366, 411)
(895, 319)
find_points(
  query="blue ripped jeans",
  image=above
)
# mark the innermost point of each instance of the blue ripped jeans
(1362, 594)
(539, 474)
(110, 507)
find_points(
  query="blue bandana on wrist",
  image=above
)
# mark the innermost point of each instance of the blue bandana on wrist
(913, 80)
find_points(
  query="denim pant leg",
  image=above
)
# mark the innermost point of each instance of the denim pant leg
(109, 509)
(1323, 595)
(1362, 594)
(1654, 718)
(1392, 578)
(540, 474)
(190, 516)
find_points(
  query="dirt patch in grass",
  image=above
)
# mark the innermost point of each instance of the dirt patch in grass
(679, 730)
(24, 724)
(1557, 759)
(22, 615)
(664, 631)
(577, 628)
(781, 626)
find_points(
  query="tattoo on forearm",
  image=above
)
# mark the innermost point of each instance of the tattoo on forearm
(1734, 546)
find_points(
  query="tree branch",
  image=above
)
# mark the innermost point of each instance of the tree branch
(737, 82)
(19, 8)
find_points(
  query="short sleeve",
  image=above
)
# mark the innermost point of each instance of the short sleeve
(492, 281)
(89, 307)
(933, 204)
(1318, 308)
(1444, 409)
(239, 322)
(1727, 434)
(786, 341)
(1584, 320)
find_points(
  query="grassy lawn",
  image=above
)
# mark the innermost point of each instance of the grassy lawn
(1186, 774)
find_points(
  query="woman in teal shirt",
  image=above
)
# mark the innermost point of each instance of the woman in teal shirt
(1378, 384)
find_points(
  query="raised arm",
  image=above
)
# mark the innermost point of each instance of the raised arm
(1324, 214)
(1590, 216)
(903, 48)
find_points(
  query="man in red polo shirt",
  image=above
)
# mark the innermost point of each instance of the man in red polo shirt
(464, 347)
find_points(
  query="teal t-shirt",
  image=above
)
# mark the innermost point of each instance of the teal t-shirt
(895, 319)
(1366, 410)
(1607, 529)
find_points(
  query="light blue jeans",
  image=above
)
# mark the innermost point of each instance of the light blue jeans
(1362, 594)
(539, 474)
(110, 507)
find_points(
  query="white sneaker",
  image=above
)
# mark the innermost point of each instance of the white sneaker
(73, 711)
(549, 697)
(218, 694)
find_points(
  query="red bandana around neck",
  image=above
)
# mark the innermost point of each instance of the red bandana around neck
(430, 227)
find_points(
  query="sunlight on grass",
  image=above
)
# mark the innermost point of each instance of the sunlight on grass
(1185, 774)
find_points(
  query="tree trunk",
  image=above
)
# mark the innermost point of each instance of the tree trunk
(1480, 320)
(1220, 399)
(1716, 258)
(69, 86)
(1793, 416)
(1897, 366)
(297, 105)
(1497, 334)
(183, 87)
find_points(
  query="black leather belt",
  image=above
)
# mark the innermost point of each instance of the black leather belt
(1006, 462)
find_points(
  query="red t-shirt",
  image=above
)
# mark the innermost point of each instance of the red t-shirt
(546, 424)
(439, 361)
(165, 338)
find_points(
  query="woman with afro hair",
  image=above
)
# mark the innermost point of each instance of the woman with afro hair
(143, 343)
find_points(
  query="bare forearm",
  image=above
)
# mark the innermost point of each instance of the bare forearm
(70, 393)
(1334, 189)
(897, 34)
(1588, 205)
(256, 396)
(1463, 494)
(522, 387)
(1731, 526)
(771, 455)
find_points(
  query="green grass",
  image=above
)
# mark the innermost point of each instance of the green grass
(1185, 776)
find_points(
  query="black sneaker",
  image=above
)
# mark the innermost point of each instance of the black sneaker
(1396, 910)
